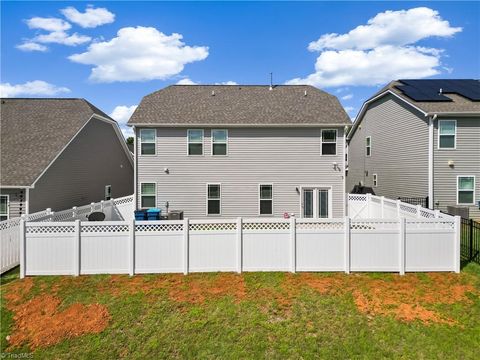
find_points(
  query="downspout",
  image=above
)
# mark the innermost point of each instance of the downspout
(135, 168)
(431, 200)
(27, 201)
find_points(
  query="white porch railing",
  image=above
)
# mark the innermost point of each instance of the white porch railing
(364, 206)
(115, 209)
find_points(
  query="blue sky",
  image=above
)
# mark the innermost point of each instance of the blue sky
(114, 53)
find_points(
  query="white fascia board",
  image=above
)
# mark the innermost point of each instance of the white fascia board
(239, 125)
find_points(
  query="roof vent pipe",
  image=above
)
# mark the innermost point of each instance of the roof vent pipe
(440, 92)
(305, 94)
(271, 81)
(213, 92)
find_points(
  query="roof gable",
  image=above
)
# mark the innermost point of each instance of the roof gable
(35, 131)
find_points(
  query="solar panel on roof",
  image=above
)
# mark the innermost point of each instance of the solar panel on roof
(429, 90)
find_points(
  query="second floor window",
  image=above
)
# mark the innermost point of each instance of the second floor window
(108, 192)
(329, 142)
(195, 141)
(447, 130)
(368, 146)
(466, 190)
(147, 141)
(219, 142)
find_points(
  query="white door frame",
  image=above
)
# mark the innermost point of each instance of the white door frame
(315, 199)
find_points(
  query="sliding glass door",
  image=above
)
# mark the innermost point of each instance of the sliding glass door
(316, 202)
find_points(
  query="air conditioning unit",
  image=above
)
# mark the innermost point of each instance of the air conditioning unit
(459, 211)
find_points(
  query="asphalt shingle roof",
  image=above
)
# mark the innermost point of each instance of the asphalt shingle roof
(34, 131)
(458, 105)
(256, 105)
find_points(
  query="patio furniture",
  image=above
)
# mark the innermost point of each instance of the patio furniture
(96, 216)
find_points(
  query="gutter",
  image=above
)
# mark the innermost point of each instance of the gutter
(431, 200)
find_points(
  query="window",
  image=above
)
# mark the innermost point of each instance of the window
(368, 146)
(266, 200)
(323, 203)
(213, 199)
(447, 130)
(148, 194)
(3, 207)
(108, 192)
(329, 142)
(219, 142)
(466, 190)
(375, 180)
(195, 141)
(147, 141)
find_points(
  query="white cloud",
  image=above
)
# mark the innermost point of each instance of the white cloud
(396, 28)
(139, 54)
(230, 82)
(349, 109)
(48, 24)
(31, 88)
(347, 97)
(186, 81)
(380, 51)
(61, 37)
(122, 114)
(31, 46)
(92, 17)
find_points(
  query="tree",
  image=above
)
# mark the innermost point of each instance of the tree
(130, 140)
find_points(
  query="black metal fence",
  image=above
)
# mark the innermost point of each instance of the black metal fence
(470, 240)
(422, 201)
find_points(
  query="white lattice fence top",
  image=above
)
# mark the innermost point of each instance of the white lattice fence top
(6, 224)
(429, 225)
(124, 200)
(50, 229)
(213, 227)
(320, 225)
(357, 197)
(266, 225)
(408, 209)
(374, 225)
(163, 227)
(427, 214)
(104, 228)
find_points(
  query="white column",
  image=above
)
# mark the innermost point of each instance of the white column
(76, 249)
(347, 241)
(131, 247)
(402, 240)
(458, 231)
(74, 212)
(369, 202)
(239, 244)
(419, 214)
(398, 208)
(382, 204)
(134, 168)
(293, 244)
(186, 226)
(23, 240)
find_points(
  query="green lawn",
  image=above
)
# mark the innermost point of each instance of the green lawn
(252, 315)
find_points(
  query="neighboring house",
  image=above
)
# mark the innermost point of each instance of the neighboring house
(419, 138)
(59, 153)
(241, 151)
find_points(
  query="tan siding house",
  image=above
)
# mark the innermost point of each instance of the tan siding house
(59, 153)
(406, 159)
(212, 156)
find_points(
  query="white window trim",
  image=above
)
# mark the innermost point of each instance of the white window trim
(375, 180)
(148, 142)
(336, 142)
(202, 142)
(211, 142)
(148, 182)
(105, 192)
(206, 203)
(458, 190)
(8, 206)
(368, 146)
(259, 199)
(454, 139)
(315, 199)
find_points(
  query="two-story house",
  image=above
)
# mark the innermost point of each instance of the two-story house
(419, 138)
(228, 151)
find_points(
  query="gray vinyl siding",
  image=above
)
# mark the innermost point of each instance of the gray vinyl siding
(466, 158)
(399, 138)
(17, 201)
(94, 158)
(285, 157)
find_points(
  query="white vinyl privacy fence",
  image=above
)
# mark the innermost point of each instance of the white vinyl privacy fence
(129, 247)
(115, 209)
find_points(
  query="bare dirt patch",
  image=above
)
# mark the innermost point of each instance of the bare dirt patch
(406, 298)
(39, 323)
